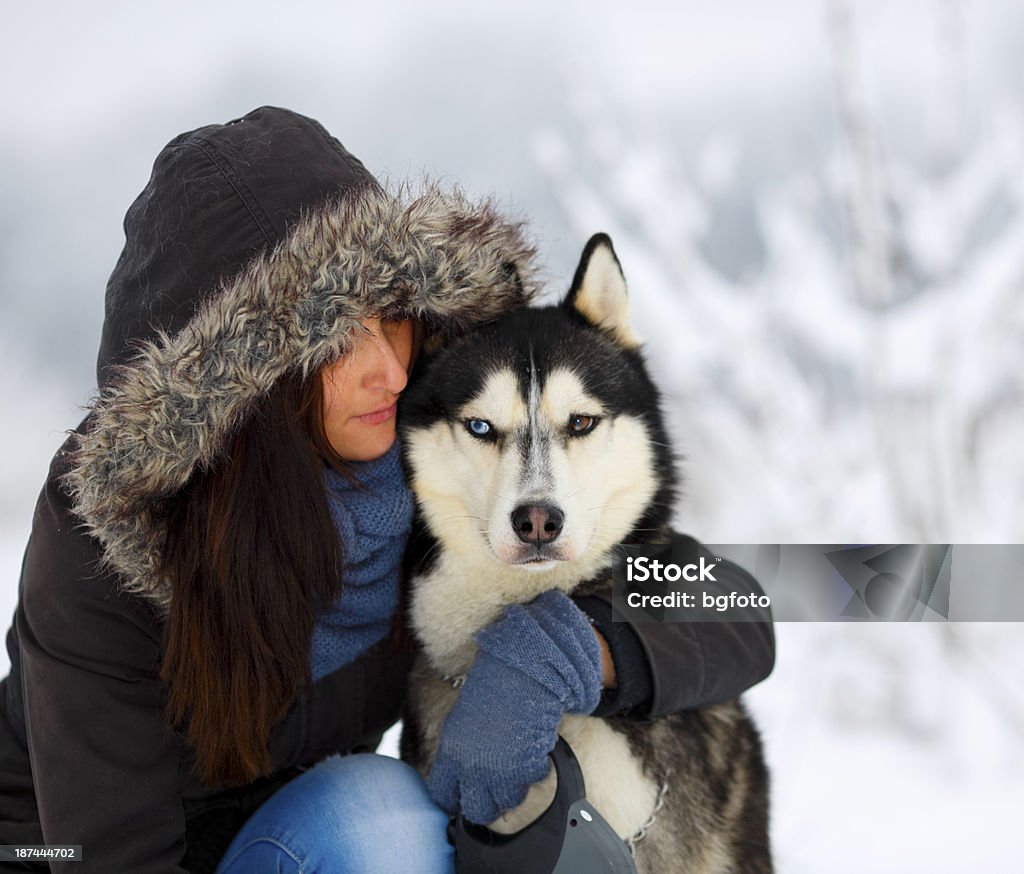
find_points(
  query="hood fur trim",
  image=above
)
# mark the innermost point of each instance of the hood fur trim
(433, 255)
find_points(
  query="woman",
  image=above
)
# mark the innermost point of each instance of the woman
(210, 604)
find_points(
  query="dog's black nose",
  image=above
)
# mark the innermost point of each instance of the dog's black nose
(538, 523)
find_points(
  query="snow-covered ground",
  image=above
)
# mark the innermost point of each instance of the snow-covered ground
(893, 748)
(819, 209)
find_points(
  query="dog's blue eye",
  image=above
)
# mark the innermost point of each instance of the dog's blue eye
(579, 425)
(478, 427)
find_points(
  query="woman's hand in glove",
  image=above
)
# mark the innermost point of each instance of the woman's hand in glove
(534, 664)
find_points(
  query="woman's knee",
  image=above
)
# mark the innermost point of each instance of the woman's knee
(371, 778)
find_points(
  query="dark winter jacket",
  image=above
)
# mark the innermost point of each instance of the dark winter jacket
(254, 249)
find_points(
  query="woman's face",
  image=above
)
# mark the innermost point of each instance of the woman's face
(361, 390)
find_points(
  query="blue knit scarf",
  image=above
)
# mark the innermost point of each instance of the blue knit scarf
(373, 516)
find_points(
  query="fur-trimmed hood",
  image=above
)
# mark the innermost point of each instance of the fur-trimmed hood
(169, 404)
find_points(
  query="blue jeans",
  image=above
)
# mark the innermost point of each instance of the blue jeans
(362, 813)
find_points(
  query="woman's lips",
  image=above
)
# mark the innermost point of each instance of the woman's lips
(378, 416)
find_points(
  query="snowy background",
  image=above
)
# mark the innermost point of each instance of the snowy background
(819, 206)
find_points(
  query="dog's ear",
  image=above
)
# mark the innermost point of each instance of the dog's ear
(598, 292)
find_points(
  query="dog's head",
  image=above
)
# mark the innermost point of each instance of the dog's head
(537, 443)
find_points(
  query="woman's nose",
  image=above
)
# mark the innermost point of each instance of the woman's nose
(387, 370)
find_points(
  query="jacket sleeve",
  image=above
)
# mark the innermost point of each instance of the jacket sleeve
(664, 667)
(105, 768)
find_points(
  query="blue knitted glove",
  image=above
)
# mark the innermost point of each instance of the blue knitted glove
(539, 661)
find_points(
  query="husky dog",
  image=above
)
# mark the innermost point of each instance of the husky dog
(553, 408)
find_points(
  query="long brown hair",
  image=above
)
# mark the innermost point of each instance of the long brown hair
(252, 554)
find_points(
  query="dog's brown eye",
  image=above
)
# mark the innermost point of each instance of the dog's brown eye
(579, 425)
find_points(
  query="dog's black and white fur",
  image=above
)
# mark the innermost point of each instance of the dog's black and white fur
(535, 445)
